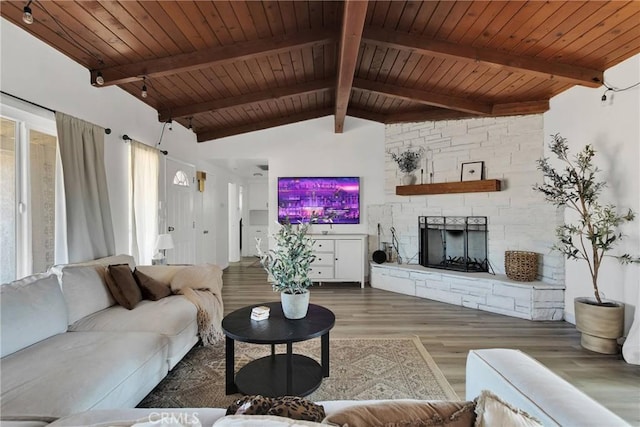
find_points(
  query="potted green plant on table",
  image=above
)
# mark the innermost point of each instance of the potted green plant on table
(288, 265)
(408, 161)
(589, 238)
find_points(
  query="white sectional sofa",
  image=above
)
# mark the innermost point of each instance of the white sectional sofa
(66, 346)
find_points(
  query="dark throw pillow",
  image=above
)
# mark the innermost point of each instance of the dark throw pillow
(151, 288)
(122, 285)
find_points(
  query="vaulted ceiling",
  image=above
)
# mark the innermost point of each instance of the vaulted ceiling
(229, 67)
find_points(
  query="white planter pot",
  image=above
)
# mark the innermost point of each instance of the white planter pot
(294, 306)
(601, 326)
(409, 179)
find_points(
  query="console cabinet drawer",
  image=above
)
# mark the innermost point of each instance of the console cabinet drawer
(323, 259)
(323, 246)
(321, 273)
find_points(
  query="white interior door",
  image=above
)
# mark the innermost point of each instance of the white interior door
(180, 186)
(234, 223)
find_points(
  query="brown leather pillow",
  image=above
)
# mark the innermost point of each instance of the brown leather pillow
(405, 414)
(122, 285)
(151, 288)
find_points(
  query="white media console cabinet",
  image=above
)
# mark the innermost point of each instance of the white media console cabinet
(339, 258)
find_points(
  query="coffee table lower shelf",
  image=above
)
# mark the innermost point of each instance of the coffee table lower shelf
(268, 376)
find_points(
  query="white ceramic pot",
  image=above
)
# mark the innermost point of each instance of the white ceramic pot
(409, 179)
(294, 306)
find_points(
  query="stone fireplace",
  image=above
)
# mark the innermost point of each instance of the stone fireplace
(456, 243)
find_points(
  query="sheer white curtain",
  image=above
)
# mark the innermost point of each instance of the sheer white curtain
(89, 225)
(145, 165)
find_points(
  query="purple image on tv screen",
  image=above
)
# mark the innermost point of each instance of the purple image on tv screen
(332, 200)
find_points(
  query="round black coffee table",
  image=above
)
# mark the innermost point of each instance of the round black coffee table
(278, 374)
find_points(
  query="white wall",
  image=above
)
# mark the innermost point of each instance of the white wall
(518, 218)
(614, 131)
(312, 148)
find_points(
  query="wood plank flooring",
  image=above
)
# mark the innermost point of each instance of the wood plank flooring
(448, 332)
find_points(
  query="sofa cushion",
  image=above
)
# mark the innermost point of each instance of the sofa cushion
(492, 411)
(123, 285)
(262, 421)
(78, 371)
(109, 417)
(31, 310)
(84, 291)
(429, 413)
(151, 288)
(174, 317)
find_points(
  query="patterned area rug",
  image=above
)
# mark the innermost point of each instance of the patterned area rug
(359, 369)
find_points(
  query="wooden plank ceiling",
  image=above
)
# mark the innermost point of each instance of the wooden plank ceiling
(229, 67)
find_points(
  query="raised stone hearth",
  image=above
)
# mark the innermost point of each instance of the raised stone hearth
(483, 291)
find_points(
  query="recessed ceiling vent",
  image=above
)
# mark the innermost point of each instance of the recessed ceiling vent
(263, 167)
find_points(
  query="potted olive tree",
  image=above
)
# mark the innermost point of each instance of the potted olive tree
(575, 186)
(288, 265)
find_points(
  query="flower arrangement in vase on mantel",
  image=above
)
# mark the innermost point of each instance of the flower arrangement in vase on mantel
(408, 161)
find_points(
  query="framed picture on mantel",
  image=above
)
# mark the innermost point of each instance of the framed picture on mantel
(472, 171)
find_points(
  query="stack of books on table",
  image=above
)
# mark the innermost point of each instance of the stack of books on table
(260, 313)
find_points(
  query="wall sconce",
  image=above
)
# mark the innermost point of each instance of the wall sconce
(201, 176)
(163, 242)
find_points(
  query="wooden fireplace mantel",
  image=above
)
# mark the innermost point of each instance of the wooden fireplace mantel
(485, 185)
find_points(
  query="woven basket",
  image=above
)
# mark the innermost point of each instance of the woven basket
(521, 265)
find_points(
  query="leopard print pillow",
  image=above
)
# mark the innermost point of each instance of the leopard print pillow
(250, 405)
(296, 408)
(292, 407)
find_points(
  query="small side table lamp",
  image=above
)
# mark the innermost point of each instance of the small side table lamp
(163, 242)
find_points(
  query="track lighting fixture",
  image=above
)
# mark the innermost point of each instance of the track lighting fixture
(27, 16)
(144, 88)
(99, 79)
(191, 123)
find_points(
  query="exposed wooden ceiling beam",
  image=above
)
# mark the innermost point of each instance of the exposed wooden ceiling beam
(425, 97)
(208, 135)
(434, 114)
(185, 62)
(519, 108)
(548, 70)
(274, 94)
(355, 12)
(426, 115)
(367, 115)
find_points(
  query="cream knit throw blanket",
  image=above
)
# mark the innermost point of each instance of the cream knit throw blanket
(202, 285)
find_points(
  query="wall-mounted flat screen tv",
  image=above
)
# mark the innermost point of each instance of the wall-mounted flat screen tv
(332, 200)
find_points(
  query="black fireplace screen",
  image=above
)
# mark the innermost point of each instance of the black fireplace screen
(454, 242)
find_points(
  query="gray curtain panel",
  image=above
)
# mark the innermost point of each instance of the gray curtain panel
(89, 225)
